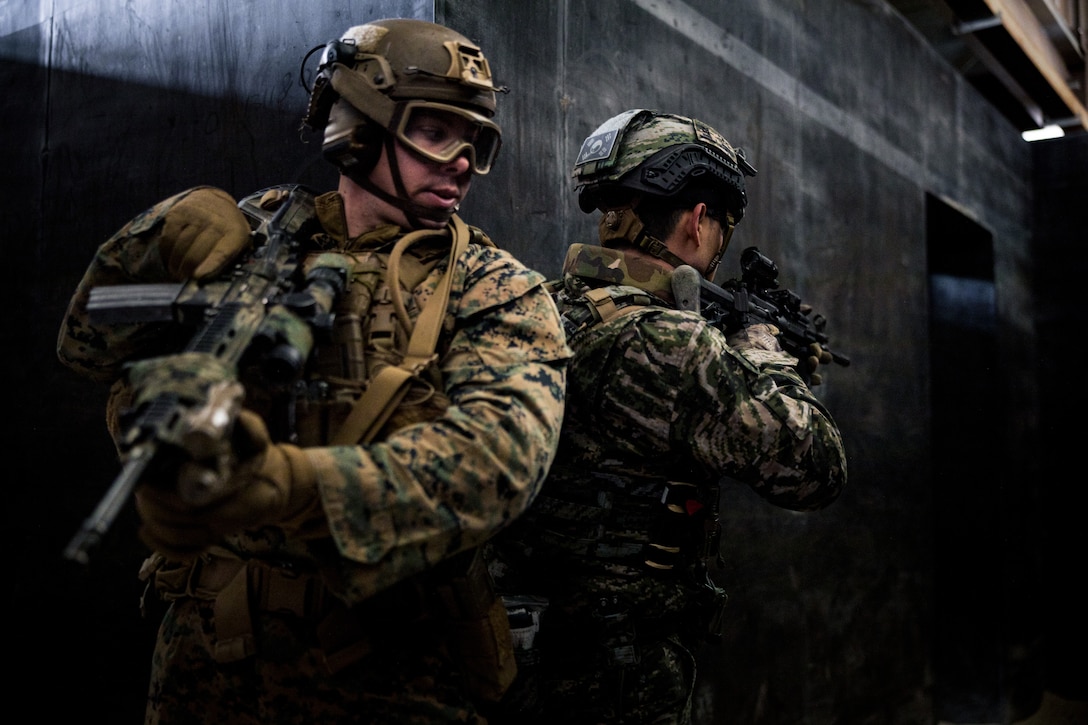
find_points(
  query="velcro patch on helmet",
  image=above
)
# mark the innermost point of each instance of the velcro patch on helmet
(710, 137)
(601, 143)
(366, 37)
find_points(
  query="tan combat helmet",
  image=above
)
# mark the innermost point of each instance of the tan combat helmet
(373, 79)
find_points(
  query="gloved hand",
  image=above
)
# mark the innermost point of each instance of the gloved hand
(759, 336)
(270, 485)
(200, 234)
(191, 377)
(188, 375)
(808, 366)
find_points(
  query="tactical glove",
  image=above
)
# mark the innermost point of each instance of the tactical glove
(199, 388)
(760, 336)
(188, 375)
(200, 234)
(271, 485)
(808, 366)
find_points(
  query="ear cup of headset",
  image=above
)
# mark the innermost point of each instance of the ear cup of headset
(321, 99)
(352, 141)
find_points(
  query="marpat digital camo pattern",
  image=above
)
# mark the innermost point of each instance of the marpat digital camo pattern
(130, 256)
(656, 399)
(395, 508)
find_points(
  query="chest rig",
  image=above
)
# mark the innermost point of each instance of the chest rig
(374, 371)
(366, 365)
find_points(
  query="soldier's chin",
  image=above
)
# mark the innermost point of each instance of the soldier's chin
(429, 217)
(431, 223)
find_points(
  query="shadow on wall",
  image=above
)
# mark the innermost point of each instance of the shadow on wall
(78, 170)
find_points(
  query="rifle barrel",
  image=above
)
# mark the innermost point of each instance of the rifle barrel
(96, 525)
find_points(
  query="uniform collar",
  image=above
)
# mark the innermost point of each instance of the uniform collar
(614, 267)
(330, 212)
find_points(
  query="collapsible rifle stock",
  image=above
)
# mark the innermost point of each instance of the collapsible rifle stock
(262, 314)
(755, 298)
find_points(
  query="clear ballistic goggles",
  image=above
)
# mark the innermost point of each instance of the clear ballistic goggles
(441, 132)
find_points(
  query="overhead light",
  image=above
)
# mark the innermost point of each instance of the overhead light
(1044, 133)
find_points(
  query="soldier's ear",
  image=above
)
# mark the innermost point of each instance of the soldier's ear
(694, 222)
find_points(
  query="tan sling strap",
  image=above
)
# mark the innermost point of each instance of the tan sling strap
(606, 306)
(386, 390)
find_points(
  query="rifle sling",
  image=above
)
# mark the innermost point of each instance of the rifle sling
(384, 393)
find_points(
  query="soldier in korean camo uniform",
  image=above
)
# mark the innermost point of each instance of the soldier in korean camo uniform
(336, 580)
(607, 576)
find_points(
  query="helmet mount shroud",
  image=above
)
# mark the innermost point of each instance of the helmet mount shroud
(372, 82)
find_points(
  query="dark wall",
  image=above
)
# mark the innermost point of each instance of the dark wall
(1061, 178)
(853, 124)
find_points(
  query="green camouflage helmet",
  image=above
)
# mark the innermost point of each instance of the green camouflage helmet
(659, 154)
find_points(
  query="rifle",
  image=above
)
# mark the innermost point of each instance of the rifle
(754, 298)
(261, 315)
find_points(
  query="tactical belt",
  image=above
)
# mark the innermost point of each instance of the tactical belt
(572, 521)
(239, 588)
(462, 603)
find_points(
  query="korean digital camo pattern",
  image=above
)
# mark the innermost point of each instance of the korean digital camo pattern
(398, 511)
(628, 141)
(617, 547)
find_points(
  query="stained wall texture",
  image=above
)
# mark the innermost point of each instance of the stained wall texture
(910, 600)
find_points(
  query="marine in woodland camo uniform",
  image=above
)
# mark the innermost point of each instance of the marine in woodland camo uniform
(367, 605)
(607, 576)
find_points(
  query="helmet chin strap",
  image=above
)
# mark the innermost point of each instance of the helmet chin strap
(412, 211)
(623, 224)
(727, 234)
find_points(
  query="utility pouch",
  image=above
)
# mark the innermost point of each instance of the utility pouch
(479, 631)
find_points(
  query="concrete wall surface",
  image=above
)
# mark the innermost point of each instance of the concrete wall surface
(907, 601)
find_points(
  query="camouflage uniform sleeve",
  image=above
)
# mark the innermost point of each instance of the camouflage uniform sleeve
(428, 491)
(129, 256)
(746, 415)
(781, 438)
